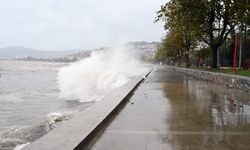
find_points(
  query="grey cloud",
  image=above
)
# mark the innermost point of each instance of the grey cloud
(67, 24)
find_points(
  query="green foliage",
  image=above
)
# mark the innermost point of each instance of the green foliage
(172, 11)
(210, 21)
(171, 48)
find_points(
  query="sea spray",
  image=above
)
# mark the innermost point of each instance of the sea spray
(21, 146)
(90, 79)
(56, 117)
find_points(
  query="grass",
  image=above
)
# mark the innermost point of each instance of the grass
(239, 72)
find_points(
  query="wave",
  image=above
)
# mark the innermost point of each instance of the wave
(90, 79)
(21, 146)
(55, 117)
(16, 138)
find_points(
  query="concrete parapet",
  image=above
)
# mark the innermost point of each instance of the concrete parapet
(74, 132)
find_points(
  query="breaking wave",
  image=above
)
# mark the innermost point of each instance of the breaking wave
(90, 79)
(56, 117)
(16, 138)
(21, 146)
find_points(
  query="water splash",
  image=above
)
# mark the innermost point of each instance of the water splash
(90, 79)
(56, 117)
(21, 146)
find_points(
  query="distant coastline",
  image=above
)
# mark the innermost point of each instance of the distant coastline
(147, 50)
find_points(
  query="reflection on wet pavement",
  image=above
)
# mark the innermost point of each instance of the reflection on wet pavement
(175, 112)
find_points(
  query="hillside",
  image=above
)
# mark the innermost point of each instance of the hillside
(146, 50)
(23, 52)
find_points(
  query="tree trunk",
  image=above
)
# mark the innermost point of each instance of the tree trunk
(198, 60)
(214, 58)
(179, 61)
(187, 60)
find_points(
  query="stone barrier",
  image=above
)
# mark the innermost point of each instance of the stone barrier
(233, 81)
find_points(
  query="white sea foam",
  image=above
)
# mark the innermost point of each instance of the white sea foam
(21, 146)
(55, 117)
(90, 79)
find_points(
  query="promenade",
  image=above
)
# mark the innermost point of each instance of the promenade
(170, 111)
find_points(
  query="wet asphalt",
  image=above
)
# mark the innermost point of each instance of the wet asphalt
(170, 111)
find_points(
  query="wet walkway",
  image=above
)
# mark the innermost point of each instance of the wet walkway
(170, 111)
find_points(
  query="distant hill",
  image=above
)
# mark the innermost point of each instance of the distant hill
(22, 52)
(145, 49)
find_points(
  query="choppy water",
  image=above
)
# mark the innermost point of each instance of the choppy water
(29, 103)
(36, 96)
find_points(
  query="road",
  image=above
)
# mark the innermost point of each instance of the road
(170, 111)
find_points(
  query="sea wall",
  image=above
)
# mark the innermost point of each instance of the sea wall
(233, 81)
(86, 125)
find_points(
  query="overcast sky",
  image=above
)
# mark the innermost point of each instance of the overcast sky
(69, 24)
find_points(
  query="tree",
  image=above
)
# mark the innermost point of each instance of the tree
(210, 20)
(202, 55)
(170, 13)
(171, 48)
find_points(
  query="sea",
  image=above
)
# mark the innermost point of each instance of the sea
(36, 97)
(29, 102)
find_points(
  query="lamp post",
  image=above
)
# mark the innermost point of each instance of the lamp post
(218, 58)
(240, 53)
(235, 51)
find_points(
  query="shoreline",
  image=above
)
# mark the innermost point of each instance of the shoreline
(77, 131)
